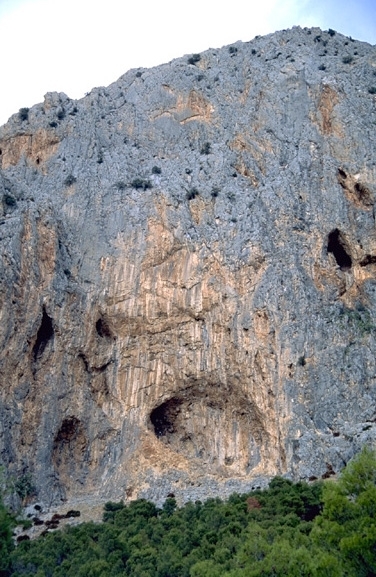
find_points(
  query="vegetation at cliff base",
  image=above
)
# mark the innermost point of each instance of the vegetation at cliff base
(317, 530)
(6, 541)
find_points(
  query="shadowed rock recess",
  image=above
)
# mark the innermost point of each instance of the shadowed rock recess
(188, 274)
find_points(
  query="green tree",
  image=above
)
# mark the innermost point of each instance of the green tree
(6, 541)
(346, 529)
(360, 474)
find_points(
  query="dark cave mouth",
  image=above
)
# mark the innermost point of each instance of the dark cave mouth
(44, 335)
(163, 418)
(103, 329)
(338, 246)
(215, 424)
(71, 429)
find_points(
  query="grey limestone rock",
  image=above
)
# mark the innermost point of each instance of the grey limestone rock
(188, 274)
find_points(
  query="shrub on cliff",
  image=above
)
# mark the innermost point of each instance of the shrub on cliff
(206, 149)
(9, 200)
(194, 59)
(192, 193)
(141, 183)
(23, 114)
(24, 486)
(70, 180)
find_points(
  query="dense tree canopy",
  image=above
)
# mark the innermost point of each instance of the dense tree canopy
(6, 541)
(287, 530)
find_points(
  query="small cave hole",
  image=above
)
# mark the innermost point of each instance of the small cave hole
(103, 329)
(68, 430)
(368, 259)
(44, 335)
(337, 246)
(164, 416)
(342, 173)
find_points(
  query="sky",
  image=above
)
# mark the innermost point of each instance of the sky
(72, 46)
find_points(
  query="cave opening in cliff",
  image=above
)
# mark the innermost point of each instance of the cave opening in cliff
(102, 328)
(69, 447)
(44, 335)
(212, 423)
(164, 416)
(338, 247)
(69, 430)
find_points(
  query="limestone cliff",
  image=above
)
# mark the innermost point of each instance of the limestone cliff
(188, 274)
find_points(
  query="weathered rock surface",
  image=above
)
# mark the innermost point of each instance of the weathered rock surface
(188, 274)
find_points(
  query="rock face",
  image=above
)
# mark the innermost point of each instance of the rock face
(188, 274)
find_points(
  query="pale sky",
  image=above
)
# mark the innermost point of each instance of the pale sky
(72, 46)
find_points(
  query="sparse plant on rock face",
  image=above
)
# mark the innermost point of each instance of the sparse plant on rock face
(120, 185)
(9, 200)
(372, 89)
(141, 183)
(23, 114)
(156, 170)
(70, 180)
(347, 59)
(24, 486)
(206, 149)
(192, 193)
(194, 59)
(358, 319)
